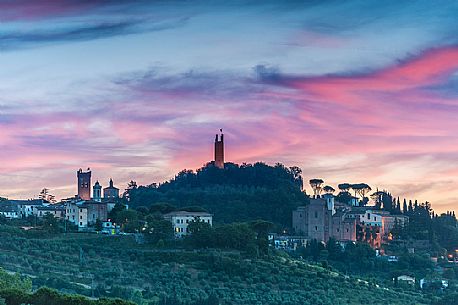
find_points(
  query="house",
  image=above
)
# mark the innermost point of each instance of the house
(181, 219)
(438, 284)
(9, 211)
(323, 218)
(406, 279)
(111, 228)
(27, 207)
(57, 210)
(85, 213)
(289, 243)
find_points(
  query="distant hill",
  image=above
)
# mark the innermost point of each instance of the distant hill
(235, 193)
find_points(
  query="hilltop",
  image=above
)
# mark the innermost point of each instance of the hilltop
(233, 194)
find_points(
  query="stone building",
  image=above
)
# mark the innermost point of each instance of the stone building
(219, 150)
(85, 213)
(110, 192)
(84, 184)
(324, 218)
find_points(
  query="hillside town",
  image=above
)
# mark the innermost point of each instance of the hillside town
(324, 218)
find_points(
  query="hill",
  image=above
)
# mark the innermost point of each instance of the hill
(233, 194)
(118, 267)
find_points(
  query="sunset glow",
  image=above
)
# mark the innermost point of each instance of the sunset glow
(138, 91)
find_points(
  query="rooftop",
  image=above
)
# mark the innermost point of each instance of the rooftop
(186, 213)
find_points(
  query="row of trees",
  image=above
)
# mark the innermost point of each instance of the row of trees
(360, 190)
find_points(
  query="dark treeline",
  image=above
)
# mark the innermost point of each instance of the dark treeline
(236, 193)
(250, 238)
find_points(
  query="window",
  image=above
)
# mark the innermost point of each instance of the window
(300, 215)
(81, 217)
(178, 221)
(347, 230)
(316, 228)
(375, 218)
(369, 216)
(337, 230)
(81, 223)
(187, 220)
(316, 214)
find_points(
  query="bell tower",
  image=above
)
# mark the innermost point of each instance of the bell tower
(84, 184)
(97, 192)
(219, 149)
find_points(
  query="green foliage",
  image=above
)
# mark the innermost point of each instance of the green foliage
(236, 193)
(46, 296)
(50, 223)
(117, 267)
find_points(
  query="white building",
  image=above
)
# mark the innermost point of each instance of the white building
(371, 218)
(9, 211)
(290, 243)
(28, 207)
(57, 210)
(181, 219)
(84, 213)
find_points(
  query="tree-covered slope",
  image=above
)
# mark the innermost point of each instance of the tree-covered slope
(118, 267)
(234, 194)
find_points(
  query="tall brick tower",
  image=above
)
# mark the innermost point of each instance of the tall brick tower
(219, 150)
(84, 184)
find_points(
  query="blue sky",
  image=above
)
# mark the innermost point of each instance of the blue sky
(347, 90)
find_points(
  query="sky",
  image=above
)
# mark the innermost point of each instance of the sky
(350, 91)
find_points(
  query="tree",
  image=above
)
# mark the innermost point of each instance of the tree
(157, 228)
(50, 223)
(98, 225)
(334, 249)
(344, 187)
(328, 189)
(262, 229)
(132, 185)
(200, 234)
(46, 196)
(361, 189)
(316, 186)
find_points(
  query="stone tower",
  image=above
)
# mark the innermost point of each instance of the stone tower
(84, 184)
(219, 150)
(97, 192)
